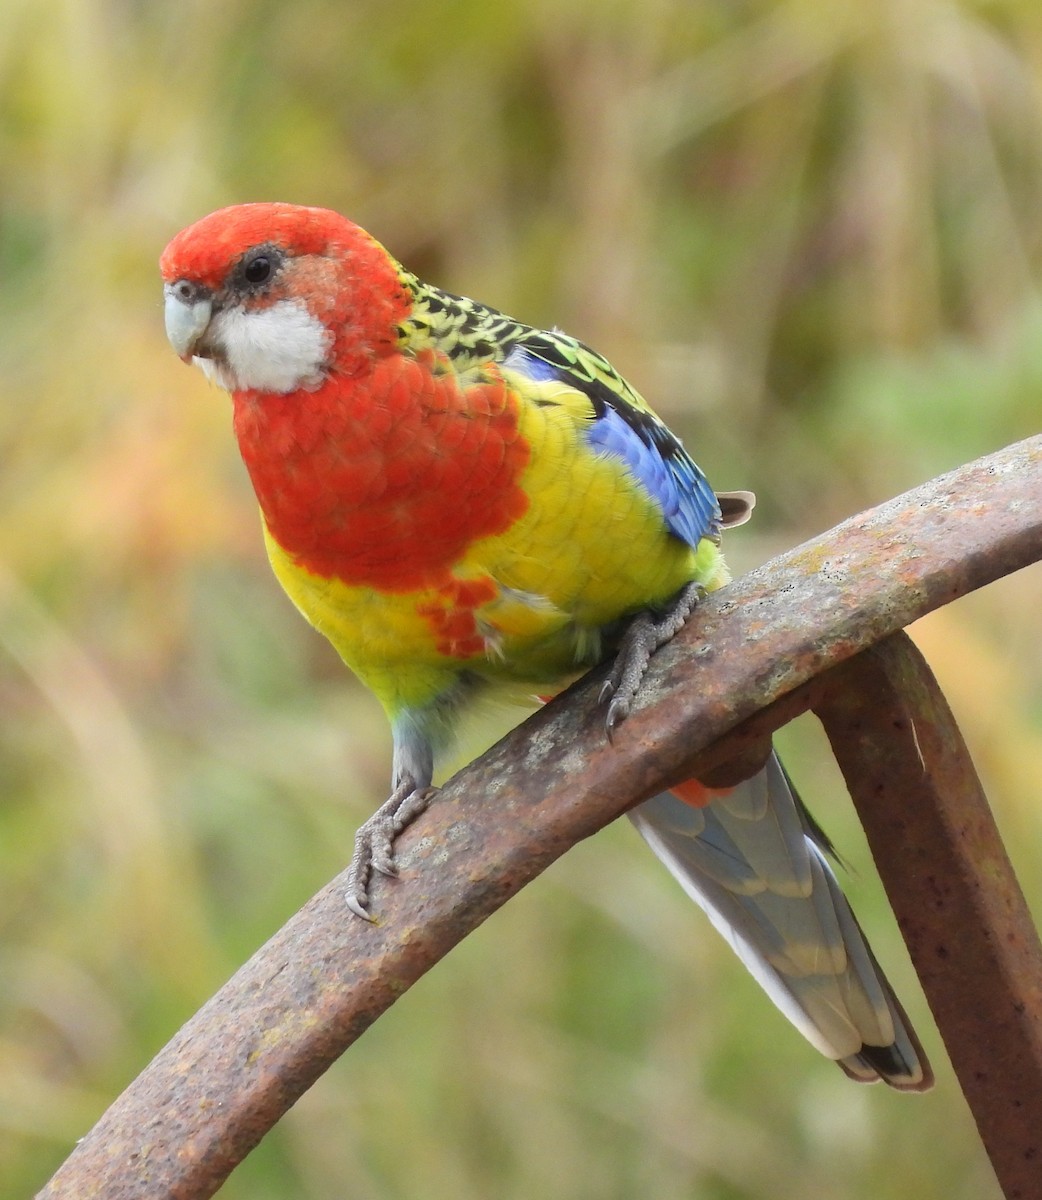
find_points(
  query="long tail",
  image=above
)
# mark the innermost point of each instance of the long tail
(754, 860)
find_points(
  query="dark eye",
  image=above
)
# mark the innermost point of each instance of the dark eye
(258, 269)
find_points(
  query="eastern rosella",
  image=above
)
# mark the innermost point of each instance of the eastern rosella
(461, 503)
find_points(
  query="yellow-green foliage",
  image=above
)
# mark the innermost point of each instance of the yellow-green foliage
(809, 233)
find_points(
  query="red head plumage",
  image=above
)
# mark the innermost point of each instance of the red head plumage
(343, 277)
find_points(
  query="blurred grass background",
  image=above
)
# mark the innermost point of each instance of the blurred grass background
(809, 232)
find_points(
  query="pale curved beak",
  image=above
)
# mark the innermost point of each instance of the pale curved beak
(187, 312)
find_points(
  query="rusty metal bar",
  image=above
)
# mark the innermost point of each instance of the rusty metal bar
(949, 880)
(952, 888)
(211, 1094)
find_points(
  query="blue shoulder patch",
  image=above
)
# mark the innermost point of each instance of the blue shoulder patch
(524, 362)
(654, 456)
(677, 486)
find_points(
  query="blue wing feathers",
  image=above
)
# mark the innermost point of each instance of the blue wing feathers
(620, 429)
(677, 486)
(525, 363)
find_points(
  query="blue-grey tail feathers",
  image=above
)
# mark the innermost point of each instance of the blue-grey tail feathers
(756, 862)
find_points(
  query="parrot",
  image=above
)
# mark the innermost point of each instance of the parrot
(467, 506)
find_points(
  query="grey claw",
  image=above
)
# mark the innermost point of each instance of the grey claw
(357, 907)
(618, 711)
(607, 688)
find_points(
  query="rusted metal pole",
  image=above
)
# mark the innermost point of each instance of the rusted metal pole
(953, 891)
(211, 1094)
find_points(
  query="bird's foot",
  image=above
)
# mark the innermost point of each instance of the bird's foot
(644, 636)
(374, 842)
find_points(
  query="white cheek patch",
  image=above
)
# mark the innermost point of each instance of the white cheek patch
(278, 349)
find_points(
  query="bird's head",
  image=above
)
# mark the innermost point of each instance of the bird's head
(276, 297)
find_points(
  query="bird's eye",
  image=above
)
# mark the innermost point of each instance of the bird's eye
(258, 269)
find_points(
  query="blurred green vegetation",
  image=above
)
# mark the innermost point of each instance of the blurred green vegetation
(809, 232)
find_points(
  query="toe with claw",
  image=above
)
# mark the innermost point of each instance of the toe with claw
(374, 843)
(646, 633)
